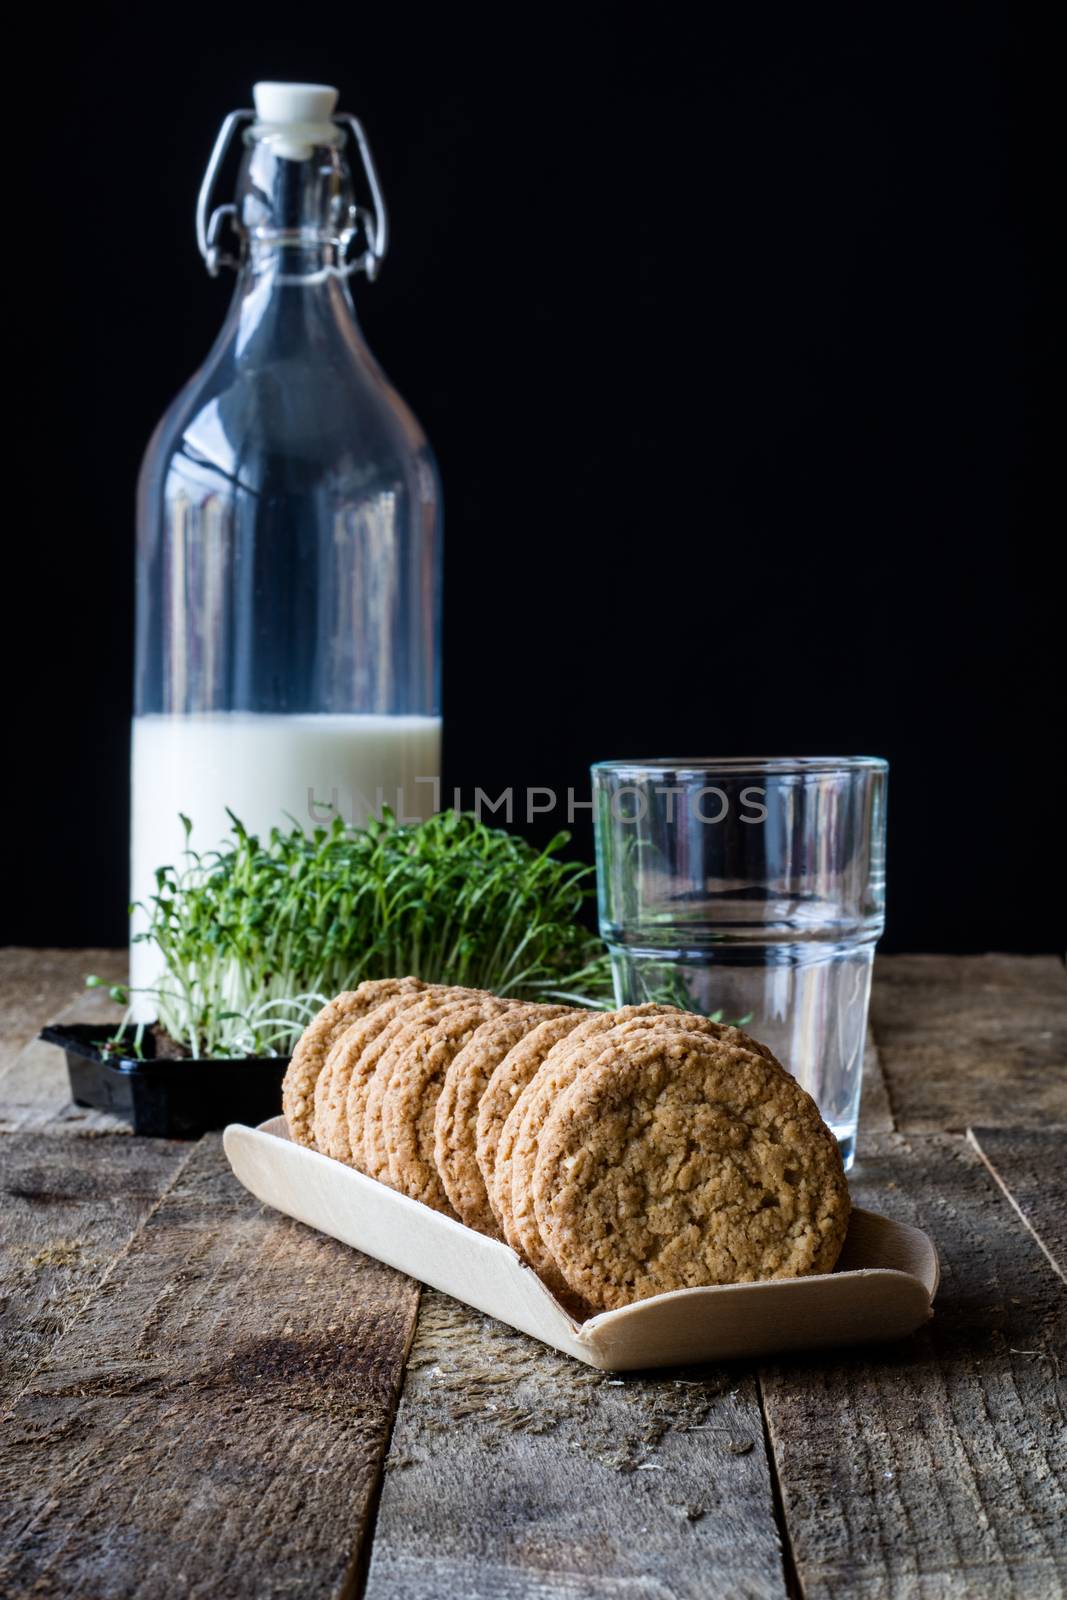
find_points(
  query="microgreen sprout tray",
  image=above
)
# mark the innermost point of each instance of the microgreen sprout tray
(165, 1097)
(882, 1289)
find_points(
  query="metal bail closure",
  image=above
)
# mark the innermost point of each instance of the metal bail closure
(209, 223)
(207, 227)
(376, 223)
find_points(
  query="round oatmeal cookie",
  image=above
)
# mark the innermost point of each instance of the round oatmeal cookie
(456, 1117)
(557, 1074)
(386, 1052)
(330, 1121)
(677, 1160)
(410, 1095)
(424, 1008)
(504, 1087)
(589, 1026)
(316, 1042)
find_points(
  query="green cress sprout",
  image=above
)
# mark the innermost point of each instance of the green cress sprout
(255, 937)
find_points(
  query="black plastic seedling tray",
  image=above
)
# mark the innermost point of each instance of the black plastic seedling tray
(166, 1097)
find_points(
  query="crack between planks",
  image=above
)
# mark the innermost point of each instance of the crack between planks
(894, 1119)
(976, 1145)
(354, 1583)
(793, 1586)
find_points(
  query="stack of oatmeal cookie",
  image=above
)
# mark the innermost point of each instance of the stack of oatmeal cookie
(622, 1154)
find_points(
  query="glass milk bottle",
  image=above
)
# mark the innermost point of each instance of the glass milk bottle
(289, 527)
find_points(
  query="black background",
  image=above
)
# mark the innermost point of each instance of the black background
(732, 333)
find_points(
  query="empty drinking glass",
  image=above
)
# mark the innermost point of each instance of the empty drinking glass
(751, 889)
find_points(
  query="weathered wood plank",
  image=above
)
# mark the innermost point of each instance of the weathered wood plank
(876, 1114)
(36, 985)
(937, 1467)
(1028, 1164)
(213, 1423)
(516, 1472)
(67, 1207)
(972, 1040)
(39, 986)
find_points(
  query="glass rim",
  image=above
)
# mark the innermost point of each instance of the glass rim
(781, 766)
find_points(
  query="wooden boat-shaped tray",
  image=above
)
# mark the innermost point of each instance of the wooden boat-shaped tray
(883, 1286)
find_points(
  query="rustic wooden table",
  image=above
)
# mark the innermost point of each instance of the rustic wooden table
(205, 1398)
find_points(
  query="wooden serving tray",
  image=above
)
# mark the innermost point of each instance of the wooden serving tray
(883, 1286)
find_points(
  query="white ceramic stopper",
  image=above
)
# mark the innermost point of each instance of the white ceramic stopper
(294, 117)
